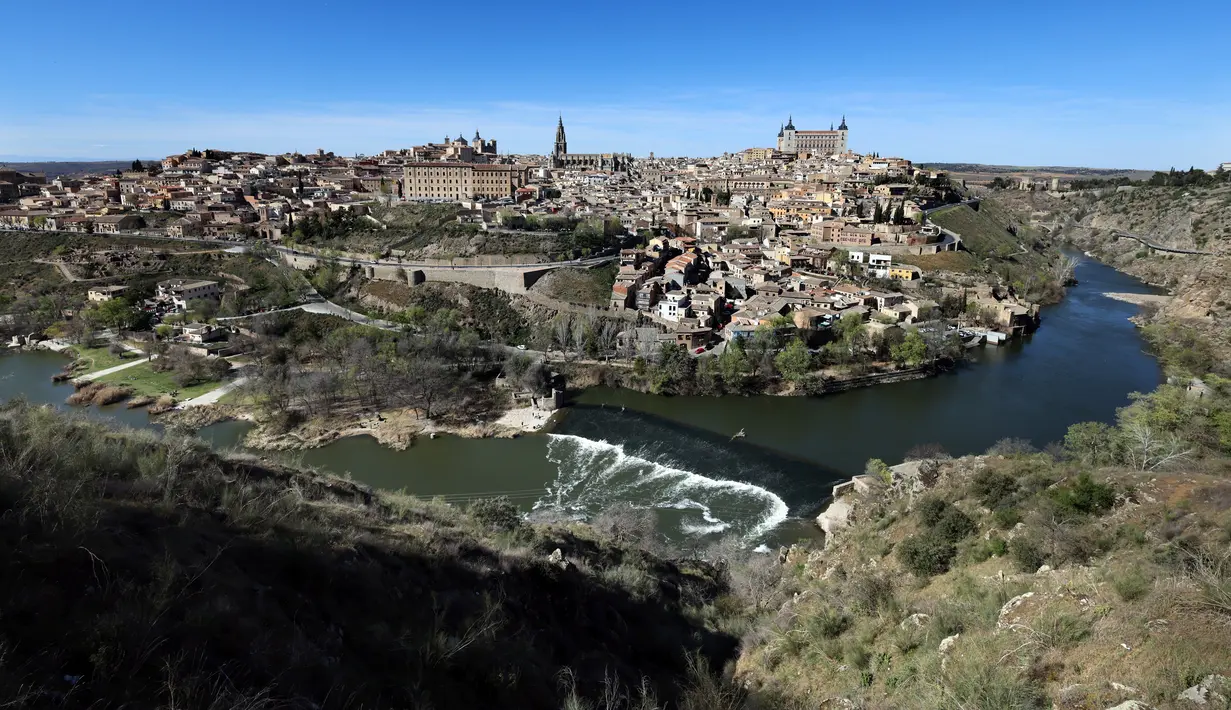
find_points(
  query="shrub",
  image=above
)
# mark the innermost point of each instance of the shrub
(826, 623)
(1006, 518)
(1083, 496)
(624, 523)
(1012, 447)
(979, 683)
(871, 593)
(926, 554)
(496, 513)
(954, 525)
(111, 395)
(1026, 553)
(857, 655)
(931, 510)
(1060, 630)
(879, 469)
(927, 451)
(1130, 584)
(982, 550)
(993, 488)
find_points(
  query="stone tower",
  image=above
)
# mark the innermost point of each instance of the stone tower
(561, 148)
(787, 142)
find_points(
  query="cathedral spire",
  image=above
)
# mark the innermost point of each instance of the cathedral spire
(561, 147)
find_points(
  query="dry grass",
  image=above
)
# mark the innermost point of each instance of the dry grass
(98, 393)
(166, 576)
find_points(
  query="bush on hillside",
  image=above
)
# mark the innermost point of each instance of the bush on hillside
(945, 520)
(926, 554)
(954, 525)
(496, 513)
(993, 489)
(1012, 446)
(931, 510)
(1027, 553)
(1084, 496)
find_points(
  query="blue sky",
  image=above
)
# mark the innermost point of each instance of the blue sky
(1083, 82)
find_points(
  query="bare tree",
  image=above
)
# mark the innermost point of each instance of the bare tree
(1147, 450)
(562, 332)
(1064, 267)
(607, 334)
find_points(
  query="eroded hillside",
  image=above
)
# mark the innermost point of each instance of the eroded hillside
(1190, 218)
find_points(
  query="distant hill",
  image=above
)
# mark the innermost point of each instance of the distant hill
(1033, 169)
(979, 173)
(59, 168)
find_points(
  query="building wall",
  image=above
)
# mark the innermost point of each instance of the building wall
(819, 142)
(458, 181)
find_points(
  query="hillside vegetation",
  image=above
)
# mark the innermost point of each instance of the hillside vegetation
(1183, 217)
(141, 572)
(1094, 574)
(998, 241)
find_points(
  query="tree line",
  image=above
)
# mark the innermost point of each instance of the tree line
(777, 354)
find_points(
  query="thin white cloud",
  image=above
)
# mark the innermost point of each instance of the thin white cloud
(1020, 125)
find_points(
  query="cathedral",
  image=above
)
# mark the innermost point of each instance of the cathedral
(831, 142)
(563, 160)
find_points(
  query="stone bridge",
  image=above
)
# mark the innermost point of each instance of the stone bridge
(511, 278)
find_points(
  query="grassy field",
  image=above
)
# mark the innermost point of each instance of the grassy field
(588, 286)
(99, 358)
(144, 380)
(985, 232)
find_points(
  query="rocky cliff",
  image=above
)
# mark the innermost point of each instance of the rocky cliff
(1191, 218)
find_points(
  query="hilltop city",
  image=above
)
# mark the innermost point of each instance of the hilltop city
(800, 234)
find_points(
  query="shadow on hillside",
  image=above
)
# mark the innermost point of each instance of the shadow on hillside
(220, 584)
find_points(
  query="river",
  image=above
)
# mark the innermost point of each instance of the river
(676, 454)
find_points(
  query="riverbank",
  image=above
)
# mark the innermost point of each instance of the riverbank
(1140, 299)
(396, 429)
(676, 455)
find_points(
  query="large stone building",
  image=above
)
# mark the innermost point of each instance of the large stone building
(562, 159)
(462, 181)
(458, 150)
(831, 142)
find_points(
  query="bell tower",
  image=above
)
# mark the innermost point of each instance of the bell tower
(561, 147)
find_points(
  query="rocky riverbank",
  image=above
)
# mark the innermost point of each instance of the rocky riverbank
(396, 429)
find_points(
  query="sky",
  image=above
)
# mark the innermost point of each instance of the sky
(1089, 83)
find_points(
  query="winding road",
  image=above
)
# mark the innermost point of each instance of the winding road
(1159, 247)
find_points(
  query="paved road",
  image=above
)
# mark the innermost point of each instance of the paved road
(213, 396)
(1159, 247)
(117, 368)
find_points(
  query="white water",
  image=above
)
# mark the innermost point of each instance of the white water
(594, 475)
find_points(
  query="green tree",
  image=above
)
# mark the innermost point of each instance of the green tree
(675, 371)
(852, 334)
(733, 365)
(880, 469)
(911, 351)
(794, 362)
(1092, 443)
(116, 313)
